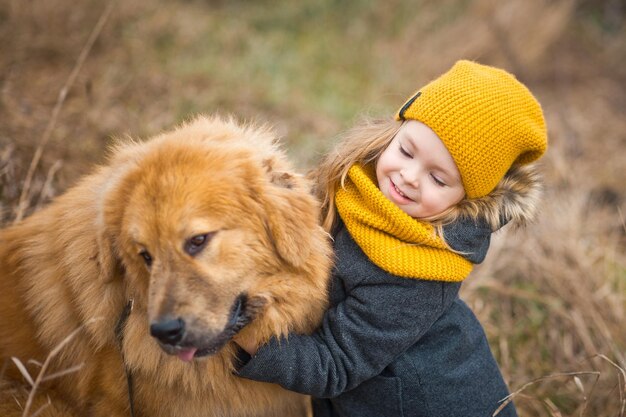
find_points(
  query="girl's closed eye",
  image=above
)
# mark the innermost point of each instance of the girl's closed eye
(437, 180)
(405, 152)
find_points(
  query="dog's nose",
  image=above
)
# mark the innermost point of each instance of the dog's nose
(168, 331)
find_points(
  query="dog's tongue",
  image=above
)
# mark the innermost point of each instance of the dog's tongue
(186, 355)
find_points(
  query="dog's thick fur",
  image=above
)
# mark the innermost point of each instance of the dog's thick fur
(126, 233)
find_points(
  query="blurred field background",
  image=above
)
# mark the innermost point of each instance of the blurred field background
(552, 297)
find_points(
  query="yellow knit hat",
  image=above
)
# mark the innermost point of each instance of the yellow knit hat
(485, 117)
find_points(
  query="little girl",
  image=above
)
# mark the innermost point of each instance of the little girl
(411, 203)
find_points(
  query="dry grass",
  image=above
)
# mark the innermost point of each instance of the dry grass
(33, 399)
(552, 298)
(43, 375)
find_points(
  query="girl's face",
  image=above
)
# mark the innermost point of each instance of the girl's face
(417, 173)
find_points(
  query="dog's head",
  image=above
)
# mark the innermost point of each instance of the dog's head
(215, 232)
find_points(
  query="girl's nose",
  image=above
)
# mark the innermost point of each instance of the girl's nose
(411, 176)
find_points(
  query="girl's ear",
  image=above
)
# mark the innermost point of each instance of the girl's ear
(291, 215)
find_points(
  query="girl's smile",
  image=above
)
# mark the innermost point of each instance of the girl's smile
(397, 196)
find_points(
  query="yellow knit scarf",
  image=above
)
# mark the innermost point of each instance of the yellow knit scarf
(391, 239)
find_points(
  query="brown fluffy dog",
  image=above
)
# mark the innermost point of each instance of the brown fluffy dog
(206, 230)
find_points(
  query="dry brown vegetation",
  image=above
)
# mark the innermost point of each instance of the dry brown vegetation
(552, 297)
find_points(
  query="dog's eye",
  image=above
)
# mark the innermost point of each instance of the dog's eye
(147, 258)
(196, 243)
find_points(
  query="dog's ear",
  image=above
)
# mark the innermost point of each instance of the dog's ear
(107, 261)
(111, 207)
(292, 215)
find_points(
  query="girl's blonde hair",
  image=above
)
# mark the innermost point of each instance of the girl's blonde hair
(514, 198)
(363, 144)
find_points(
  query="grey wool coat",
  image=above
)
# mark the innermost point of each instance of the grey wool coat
(390, 346)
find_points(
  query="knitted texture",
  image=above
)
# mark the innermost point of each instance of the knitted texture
(391, 239)
(486, 118)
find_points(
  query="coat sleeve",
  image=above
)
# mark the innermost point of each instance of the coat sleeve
(469, 237)
(358, 338)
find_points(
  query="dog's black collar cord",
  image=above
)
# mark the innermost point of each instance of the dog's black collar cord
(119, 336)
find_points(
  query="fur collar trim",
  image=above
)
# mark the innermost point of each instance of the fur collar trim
(514, 200)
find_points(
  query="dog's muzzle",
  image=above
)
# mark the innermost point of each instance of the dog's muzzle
(178, 338)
